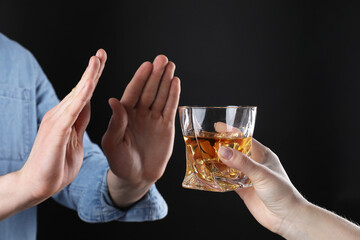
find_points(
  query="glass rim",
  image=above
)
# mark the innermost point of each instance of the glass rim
(218, 107)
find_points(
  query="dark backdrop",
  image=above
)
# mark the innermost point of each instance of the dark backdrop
(298, 61)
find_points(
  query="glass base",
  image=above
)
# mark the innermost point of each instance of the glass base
(218, 184)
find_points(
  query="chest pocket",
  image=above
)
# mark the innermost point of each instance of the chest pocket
(14, 123)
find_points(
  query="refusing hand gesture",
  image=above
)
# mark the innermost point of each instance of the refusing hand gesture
(57, 153)
(139, 140)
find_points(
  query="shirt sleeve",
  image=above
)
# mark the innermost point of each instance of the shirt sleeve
(88, 193)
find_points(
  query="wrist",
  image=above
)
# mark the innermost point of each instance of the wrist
(292, 227)
(14, 195)
(34, 189)
(27, 189)
(124, 193)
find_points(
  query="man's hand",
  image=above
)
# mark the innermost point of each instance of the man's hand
(57, 153)
(139, 140)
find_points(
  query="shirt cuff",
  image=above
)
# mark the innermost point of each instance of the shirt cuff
(151, 207)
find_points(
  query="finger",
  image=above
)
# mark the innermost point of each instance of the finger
(151, 88)
(267, 158)
(117, 124)
(101, 54)
(221, 127)
(236, 159)
(172, 102)
(162, 95)
(78, 98)
(134, 89)
(90, 74)
(257, 149)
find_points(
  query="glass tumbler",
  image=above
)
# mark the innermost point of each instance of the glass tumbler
(205, 130)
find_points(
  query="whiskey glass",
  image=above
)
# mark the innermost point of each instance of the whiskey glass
(205, 130)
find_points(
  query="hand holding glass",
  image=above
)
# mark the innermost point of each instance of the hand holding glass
(205, 130)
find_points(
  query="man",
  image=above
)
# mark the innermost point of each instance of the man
(44, 150)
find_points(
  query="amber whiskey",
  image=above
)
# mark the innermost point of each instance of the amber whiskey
(205, 171)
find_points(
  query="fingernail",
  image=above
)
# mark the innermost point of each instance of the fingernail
(226, 153)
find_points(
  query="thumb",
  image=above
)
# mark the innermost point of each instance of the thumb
(83, 121)
(237, 160)
(118, 123)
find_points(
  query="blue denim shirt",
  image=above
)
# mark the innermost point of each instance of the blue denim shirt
(25, 96)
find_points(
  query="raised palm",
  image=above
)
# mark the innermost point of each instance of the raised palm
(57, 153)
(139, 140)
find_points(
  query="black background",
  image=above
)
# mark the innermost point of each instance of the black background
(298, 61)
